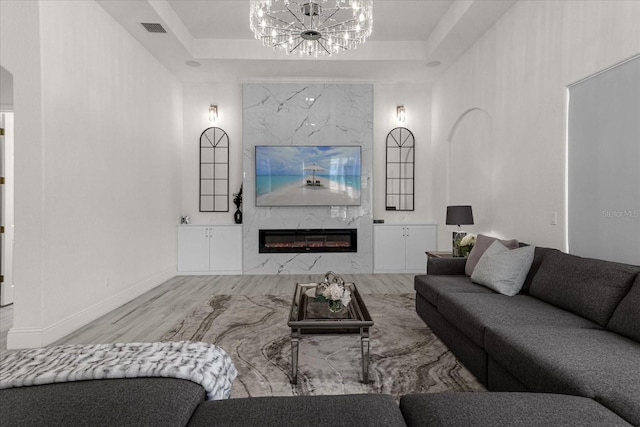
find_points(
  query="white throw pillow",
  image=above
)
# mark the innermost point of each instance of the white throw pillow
(503, 270)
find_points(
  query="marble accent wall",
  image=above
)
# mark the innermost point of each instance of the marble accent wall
(307, 114)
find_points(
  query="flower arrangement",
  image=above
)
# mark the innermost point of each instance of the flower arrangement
(333, 292)
(466, 244)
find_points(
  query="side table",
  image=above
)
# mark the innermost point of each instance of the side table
(439, 254)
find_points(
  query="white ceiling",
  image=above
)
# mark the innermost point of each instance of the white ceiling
(406, 36)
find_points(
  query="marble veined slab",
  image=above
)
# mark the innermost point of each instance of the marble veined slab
(307, 114)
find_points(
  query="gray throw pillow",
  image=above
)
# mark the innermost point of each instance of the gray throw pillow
(482, 243)
(502, 269)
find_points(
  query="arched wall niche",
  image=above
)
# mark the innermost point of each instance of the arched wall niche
(470, 169)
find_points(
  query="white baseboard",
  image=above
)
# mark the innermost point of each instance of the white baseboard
(400, 271)
(39, 337)
(210, 273)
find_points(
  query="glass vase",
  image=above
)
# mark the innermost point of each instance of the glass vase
(335, 306)
(464, 250)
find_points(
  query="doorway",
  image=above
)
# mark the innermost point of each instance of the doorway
(6, 187)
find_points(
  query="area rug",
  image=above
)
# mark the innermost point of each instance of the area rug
(406, 357)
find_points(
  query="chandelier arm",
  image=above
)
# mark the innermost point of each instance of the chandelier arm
(337, 24)
(336, 10)
(296, 46)
(288, 24)
(324, 47)
(284, 43)
(296, 16)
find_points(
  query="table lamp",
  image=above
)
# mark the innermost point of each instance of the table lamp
(459, 215)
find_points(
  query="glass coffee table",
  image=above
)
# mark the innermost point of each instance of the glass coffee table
(308, 317)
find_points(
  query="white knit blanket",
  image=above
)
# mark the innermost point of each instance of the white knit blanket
(202, 363)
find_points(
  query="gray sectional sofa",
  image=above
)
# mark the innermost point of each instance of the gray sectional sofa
(564, 351)
(175, 402)
(574, 329)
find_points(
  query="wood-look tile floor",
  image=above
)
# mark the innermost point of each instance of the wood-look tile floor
(149, 316)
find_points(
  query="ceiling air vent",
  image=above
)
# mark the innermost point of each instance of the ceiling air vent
(153, 27)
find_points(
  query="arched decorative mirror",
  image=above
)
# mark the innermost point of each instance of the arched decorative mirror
(400, 183)
(214, 170)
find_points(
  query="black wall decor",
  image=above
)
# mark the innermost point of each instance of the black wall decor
(400, 183)
(214, 170)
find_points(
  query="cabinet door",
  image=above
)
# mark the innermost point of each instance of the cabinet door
(388, 248)
(226, 249)
(419, 239)
(193, 249)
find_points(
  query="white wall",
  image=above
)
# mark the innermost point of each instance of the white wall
(197, 99)
(98, 188)
(517, 73)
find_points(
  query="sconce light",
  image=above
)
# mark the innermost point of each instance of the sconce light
(213, 113)
(400, 113)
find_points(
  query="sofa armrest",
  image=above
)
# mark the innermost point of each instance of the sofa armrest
(446, 266)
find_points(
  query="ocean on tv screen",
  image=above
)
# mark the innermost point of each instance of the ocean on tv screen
(307, 175)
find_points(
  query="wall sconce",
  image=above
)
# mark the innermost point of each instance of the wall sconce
(213, 113)
(400, 113)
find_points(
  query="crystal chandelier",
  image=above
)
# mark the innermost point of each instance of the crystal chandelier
(313, 28)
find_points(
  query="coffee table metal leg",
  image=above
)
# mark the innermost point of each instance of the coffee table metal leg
(295, 340)
(364, 334)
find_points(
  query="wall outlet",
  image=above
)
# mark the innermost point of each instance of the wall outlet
(554, 218)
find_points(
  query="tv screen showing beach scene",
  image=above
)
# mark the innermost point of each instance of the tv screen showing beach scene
(294, 175)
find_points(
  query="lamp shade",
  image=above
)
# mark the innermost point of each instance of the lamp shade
(459, 215)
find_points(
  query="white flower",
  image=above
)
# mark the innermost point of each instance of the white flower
(468, 240)
(333, 292)
(346, 297)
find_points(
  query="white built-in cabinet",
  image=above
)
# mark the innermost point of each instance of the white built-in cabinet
(210, 249)
(401, 248)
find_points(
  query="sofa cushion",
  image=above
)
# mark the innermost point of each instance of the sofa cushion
(446, 266)
(626, 317)
(482, 243)
(131, 401)
(430, 287)
(504, 409)
(344, 410)
(594, 363)
(588, 287)
(539, 254)
(474, 313)
(503, 270)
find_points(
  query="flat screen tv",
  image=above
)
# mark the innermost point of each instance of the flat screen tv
(294, 175)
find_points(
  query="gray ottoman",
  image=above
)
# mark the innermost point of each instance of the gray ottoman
(505, 409)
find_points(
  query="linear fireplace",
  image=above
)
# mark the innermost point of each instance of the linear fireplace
(308, 240)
